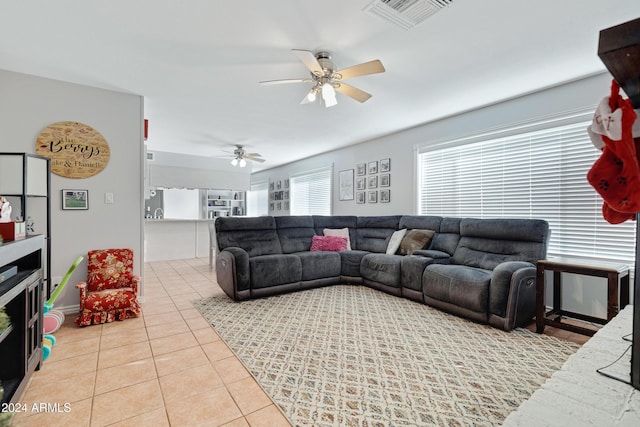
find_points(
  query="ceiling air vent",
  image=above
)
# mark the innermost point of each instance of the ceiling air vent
(406, 14)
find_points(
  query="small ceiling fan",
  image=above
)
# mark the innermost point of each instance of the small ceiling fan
(327, 80)
(240, 156)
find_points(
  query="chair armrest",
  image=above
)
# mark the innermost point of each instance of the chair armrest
(232, 271)
(501, 284)
(135, 283)
(83, 293)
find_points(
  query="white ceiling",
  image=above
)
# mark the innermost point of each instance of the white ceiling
(198, 62)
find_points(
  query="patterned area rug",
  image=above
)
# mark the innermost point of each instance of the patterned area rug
(353, 356)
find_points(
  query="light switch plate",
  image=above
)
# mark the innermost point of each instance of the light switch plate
(108, 198)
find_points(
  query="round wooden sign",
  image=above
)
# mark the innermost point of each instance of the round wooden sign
(76, 150)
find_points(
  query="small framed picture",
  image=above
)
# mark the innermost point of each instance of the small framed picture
(286, 195)
(361, 183)
(286, 206)
(271, 206)
(385, 196)
(385, 165)
(361, 169)
(286, 183)
(373, 167)
(75, 199)
(373, 197)
(373, 182)
(385, 180)
(360, 197)
(278, 185)
(271, 184)
(278, 206)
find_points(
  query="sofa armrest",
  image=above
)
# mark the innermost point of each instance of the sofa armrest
(232, 271)
(512, 293)
(431, 253)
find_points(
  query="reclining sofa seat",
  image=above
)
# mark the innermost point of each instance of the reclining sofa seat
(491, 275)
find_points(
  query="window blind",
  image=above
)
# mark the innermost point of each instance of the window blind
(311, 192)
(536, 174)
(258, 199)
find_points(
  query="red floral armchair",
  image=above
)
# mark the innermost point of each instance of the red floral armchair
(111, 290)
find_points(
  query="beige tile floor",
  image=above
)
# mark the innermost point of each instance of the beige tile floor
(165, 368)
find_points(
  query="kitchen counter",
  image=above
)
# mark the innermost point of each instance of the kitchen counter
(169, 239)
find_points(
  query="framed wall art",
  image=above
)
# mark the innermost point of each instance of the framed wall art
(360, 197)
(361, 169)
(75, 199)
(385, 196)
(373, 197)
(373, 182)
(385, 165)
(361, 183)
(385, 180)
(346, 184)
(373, 167)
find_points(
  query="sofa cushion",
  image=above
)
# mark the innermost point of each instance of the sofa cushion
(382, 268)
(421, 221)
(273, 270)
(257, 236)
(328, 244)
(395, 240)
(374, 232)
(463, 286)
(489, 242)
(320, 265)
(414, 240)
(447, 238)
(295, 233)
(351, 261)
(341, 232)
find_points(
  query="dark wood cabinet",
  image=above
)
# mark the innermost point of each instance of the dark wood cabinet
(22, 297)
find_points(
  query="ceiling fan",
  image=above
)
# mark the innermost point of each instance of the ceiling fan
(327, 80)
(240, 156)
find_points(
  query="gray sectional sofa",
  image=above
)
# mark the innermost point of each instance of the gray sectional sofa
(480, 269)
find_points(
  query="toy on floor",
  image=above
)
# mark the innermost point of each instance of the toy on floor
(53, 319)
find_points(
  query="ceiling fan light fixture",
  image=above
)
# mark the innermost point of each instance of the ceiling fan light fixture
(329, 95)
(243, 163)
(234, 161)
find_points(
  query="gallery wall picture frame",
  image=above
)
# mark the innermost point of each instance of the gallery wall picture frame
(286, 195)
(361, 169)
(278, 206)
(385, 165)
(286, 183)
(360, 197)
(278, 185)
(385, 180)
(373, 196)
(385, 196)
(272, 206)
(361, 183)
(286, 206)
(346, 184)
(373, 167)
(271, 186)
(75, 199)
(373, 182)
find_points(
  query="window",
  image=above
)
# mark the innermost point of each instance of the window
(535, 172)
(311, 192)
(258, 199)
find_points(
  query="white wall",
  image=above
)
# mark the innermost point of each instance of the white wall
(29, 104)
(587, 294)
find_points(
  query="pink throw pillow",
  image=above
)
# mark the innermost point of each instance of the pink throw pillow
(328, 243)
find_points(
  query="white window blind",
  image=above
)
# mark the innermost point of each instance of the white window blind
(536, 174)
(258, 199)
(311, 192)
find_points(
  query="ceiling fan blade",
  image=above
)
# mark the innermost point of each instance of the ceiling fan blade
(355, 93)
(283, 81)
(254, 158)
(366, 68)
(309, 60)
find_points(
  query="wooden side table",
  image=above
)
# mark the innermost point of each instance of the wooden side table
(615, 273)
